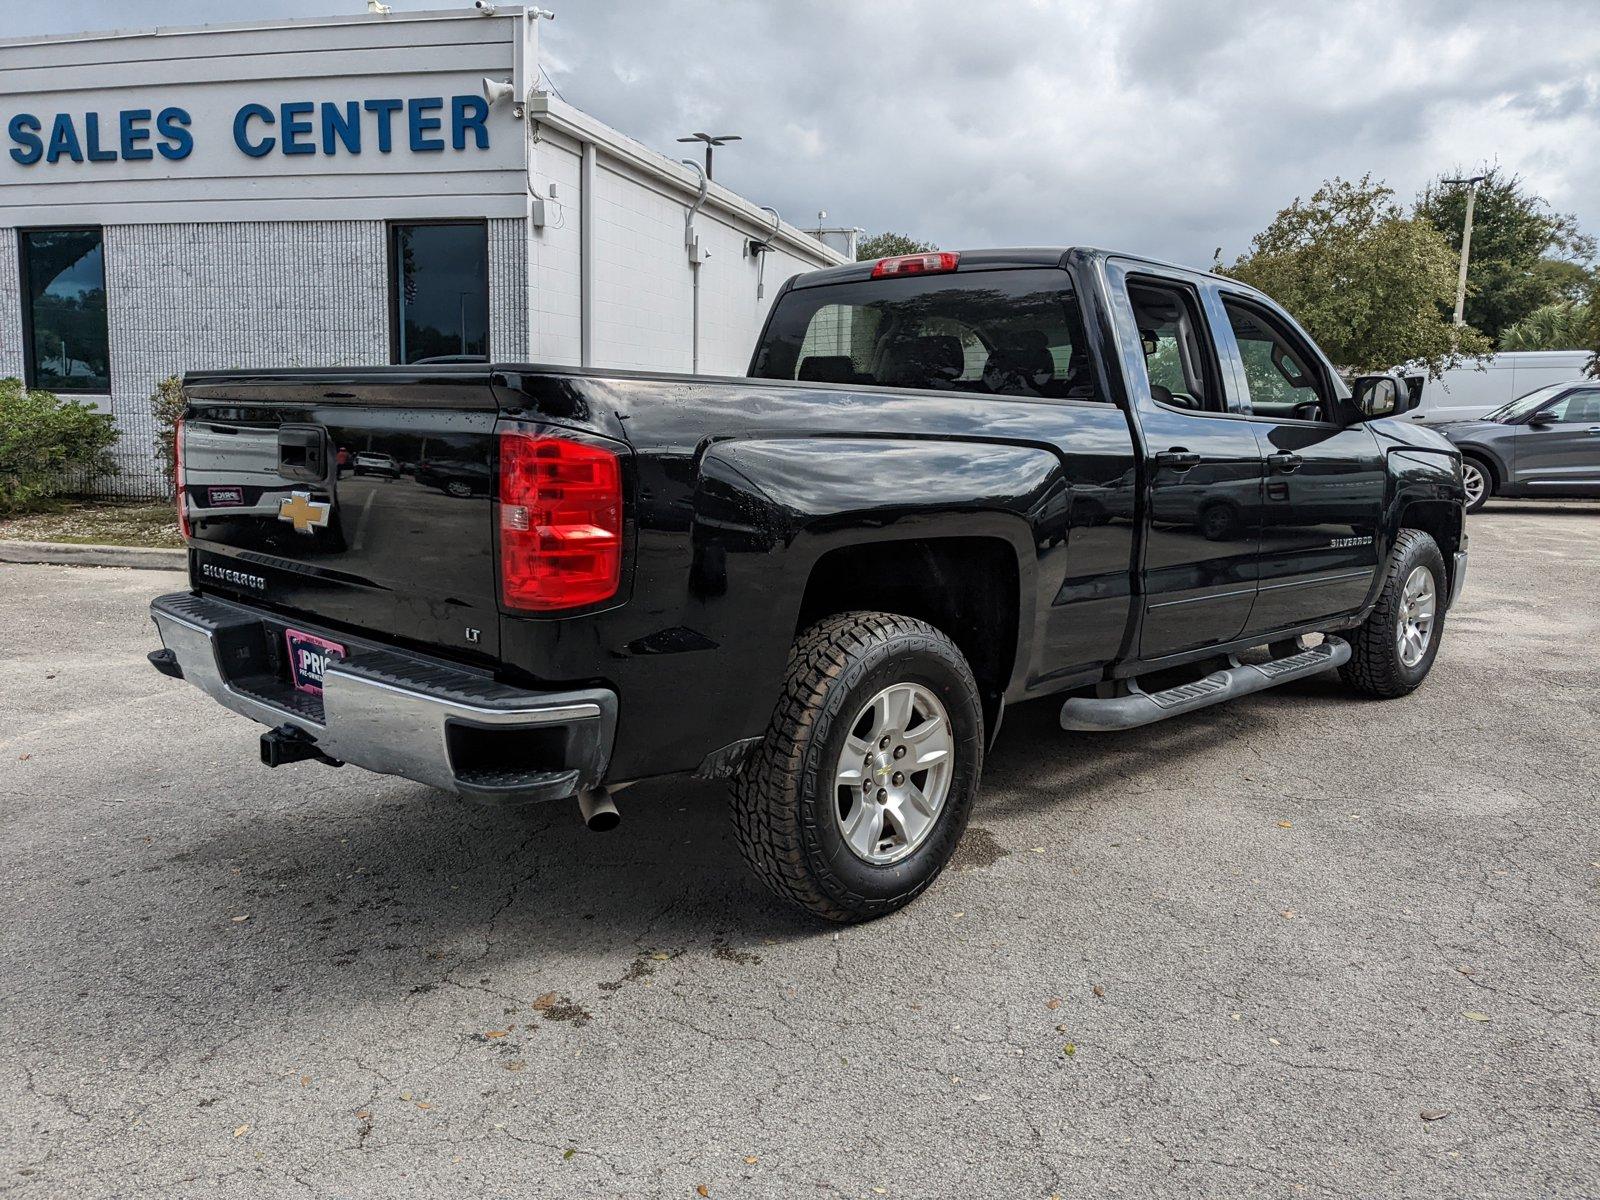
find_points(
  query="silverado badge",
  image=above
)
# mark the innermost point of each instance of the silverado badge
(304, 513)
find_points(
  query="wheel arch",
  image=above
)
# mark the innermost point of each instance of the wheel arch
(1442, 521)
(1497, 473)
(969, 586)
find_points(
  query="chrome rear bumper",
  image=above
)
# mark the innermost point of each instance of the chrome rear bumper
(393, 712)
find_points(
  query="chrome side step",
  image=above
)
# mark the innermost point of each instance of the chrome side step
(1101, 714)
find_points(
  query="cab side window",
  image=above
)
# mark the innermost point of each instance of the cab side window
(1283, 378)
(1176, 357)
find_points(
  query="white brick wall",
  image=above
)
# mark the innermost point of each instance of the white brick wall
(222, 296)
(10, 307)
(731, 315)
(557, 250)
(644, 285)
(508, 309)
(643, 297)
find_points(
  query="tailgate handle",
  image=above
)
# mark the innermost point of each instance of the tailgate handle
(303, 453)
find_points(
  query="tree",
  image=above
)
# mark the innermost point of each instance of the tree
(1367, 282)
(1565, 279)
(887, 245)
(1593, 340)
(1563, 326)
(166, 406)
(1514, 233)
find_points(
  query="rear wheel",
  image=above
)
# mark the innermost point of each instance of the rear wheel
(1392, 652)
(1478, 480)
(860, 790)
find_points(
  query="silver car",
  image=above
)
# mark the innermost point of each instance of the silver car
(1546, 443)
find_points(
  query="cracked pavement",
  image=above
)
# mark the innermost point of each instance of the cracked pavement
(1274, 935)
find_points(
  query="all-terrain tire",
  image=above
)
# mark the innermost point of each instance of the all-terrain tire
(785, 795)
(1376, 667)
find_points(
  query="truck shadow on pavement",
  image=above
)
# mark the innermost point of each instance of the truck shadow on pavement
(322, 890)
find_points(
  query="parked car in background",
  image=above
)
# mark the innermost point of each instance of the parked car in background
(374, 462)
(1479, 387)
(455, 477)
(1546, 443)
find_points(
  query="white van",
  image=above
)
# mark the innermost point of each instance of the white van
(1468, 392)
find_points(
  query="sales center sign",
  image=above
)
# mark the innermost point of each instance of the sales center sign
(292, 129)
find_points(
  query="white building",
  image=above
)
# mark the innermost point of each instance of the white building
(348, 191)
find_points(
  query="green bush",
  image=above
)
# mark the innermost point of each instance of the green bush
(46, 442)
(166, 405)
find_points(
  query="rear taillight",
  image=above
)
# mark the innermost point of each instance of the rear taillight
(177, 478)
(916, 264)
(560, 522)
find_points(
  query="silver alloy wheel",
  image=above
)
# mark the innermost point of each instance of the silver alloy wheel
(1473, 481)
(1418, 602)
(894, 773)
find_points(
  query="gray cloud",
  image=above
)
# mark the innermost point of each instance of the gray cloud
(1166, 128)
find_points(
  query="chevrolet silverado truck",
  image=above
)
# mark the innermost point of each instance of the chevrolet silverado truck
(949, 483)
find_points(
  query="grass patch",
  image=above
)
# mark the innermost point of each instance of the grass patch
(97, 523)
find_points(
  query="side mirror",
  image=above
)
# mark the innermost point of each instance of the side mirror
(1380, 396)
(1542, 420)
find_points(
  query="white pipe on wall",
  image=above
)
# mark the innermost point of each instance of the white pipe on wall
(691, 241)
(530, 247)
(526, 79)
(586, 253)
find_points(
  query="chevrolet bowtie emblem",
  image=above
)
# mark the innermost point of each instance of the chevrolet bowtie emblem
(304, 513)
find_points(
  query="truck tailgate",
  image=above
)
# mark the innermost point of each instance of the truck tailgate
(356, 501)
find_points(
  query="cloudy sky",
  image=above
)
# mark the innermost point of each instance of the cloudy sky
(1167, 128)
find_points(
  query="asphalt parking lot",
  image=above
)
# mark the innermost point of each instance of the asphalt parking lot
(1302, 945)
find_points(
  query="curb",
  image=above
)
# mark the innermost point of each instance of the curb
(68, 554)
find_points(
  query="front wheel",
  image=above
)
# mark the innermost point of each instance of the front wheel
(856, 797)
(1477, 481)
(1393, 650)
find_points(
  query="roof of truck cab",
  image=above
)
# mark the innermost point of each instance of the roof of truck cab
(1002, 258)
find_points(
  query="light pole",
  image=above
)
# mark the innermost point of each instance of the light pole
(1466, 243)
(718, 140)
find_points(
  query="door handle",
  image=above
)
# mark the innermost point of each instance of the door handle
(1178, 459)
(1285, 461)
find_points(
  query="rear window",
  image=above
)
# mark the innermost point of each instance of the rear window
(1010, 333)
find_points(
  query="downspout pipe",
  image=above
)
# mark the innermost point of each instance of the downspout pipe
(587, 170)
(530, 241)
(526, 83)
(691, 242)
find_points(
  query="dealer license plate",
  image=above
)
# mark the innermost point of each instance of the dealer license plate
(308, 659)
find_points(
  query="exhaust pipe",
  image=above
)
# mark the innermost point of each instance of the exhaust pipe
(598, 809)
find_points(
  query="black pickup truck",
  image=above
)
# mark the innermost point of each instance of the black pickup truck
(950, 483)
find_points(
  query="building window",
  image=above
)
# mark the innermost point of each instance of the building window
(64, 310)
(439, 291)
